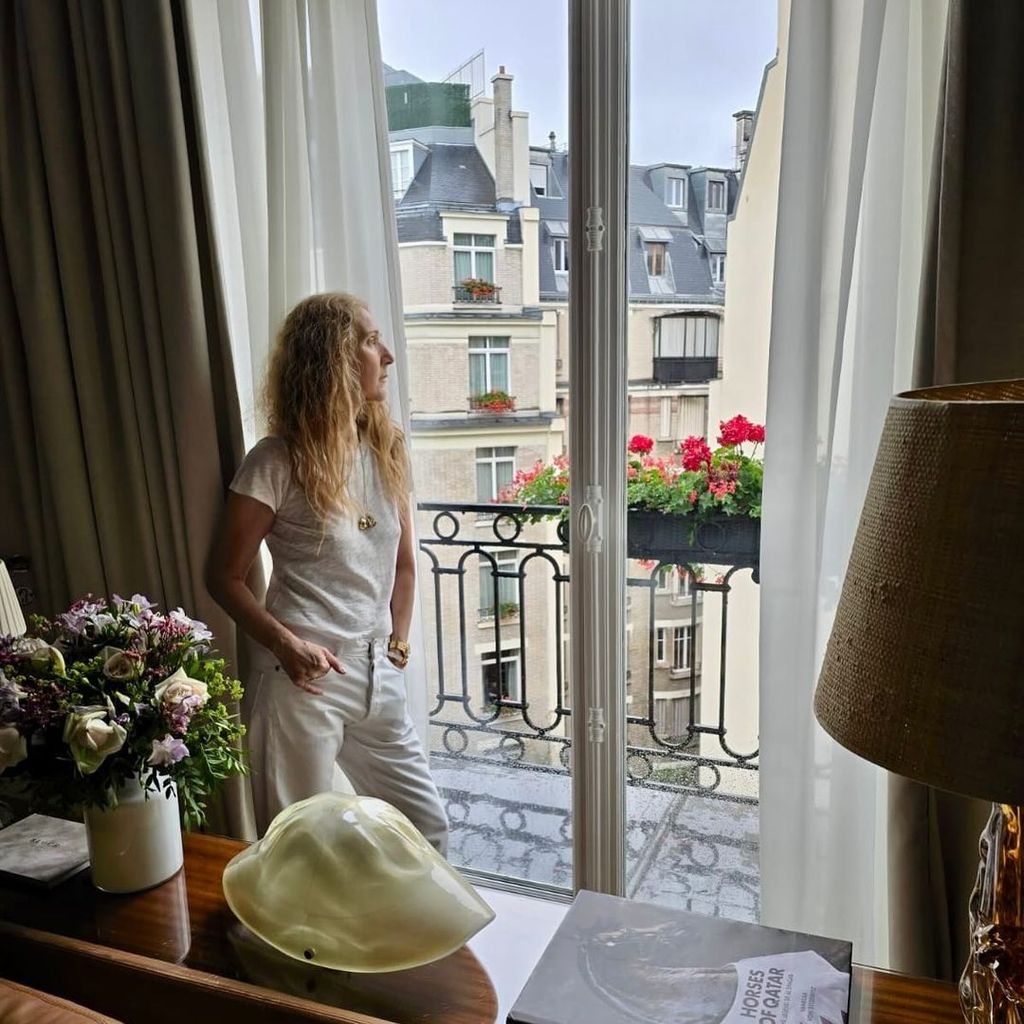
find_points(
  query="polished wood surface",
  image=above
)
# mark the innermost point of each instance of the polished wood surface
(186, 923)
(881, 997)
(177, 954)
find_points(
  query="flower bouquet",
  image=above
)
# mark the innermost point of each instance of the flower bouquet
(111, 692)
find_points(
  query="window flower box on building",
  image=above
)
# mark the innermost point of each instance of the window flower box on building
(477, 290)
(493, 402)
(697, 505)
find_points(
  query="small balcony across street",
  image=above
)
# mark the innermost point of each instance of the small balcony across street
(687, 369)
(476, 294)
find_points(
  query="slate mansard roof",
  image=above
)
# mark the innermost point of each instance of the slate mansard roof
(452, 177)
(691, 235)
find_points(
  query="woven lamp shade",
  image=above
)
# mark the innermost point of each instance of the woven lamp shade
(12, 621)
(924, 670)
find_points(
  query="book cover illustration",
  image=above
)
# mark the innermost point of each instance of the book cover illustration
(43, 850)
(617, 961)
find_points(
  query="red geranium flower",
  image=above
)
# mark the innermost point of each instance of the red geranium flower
(639, 444)
(734, 431)
(696, 453)
(756, 433)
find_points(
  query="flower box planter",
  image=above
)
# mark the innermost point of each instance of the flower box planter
(496, 403)
(721, 540)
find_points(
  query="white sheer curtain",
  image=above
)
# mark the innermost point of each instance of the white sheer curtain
(862, 87)
(292, 112)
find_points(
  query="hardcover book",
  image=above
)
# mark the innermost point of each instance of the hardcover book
(617, 961)
(42, 850)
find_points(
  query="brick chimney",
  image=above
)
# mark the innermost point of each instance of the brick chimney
(744, 133)
(504, 179)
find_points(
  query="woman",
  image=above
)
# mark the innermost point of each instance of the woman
(328, 490)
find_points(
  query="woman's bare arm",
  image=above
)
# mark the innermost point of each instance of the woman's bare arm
(403, 596)
(245, 523)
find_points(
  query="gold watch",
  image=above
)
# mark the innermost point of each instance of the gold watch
(398, 651)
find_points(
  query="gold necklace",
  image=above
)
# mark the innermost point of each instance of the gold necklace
(366, 520)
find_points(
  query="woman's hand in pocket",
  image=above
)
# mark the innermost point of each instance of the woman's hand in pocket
(304, 662)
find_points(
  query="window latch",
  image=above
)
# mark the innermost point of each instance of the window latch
(595, 229)
(589, 519)
(595, 725)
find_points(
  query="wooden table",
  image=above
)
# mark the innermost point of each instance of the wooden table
(176, 954)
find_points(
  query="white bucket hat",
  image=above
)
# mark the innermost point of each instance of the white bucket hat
(347, 882)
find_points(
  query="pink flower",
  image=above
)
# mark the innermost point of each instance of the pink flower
(694, 497)
(632, 472)
(640, 444)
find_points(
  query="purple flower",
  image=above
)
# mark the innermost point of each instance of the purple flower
(181, 713)
(169, 750)
(199, 630)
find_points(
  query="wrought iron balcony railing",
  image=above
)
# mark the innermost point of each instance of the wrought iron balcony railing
(476, 297)
(687, 369)
(524, 667)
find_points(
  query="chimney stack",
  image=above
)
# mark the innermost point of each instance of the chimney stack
(744, 133)
(551, 140)
(504, 181)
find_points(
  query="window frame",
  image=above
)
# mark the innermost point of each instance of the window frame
(546, 170)
(401, 149)
(474, 249)
(506, 656)
(682, 633)
(671, 183)
(494, 460)
(718, 267)
(717, 186)
(655, 251)
(504, 560)
(490, 353)
(561, 246)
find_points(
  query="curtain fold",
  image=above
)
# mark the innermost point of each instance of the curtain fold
(118, 394)
(862, 86)
(296, 87)
(971, 328)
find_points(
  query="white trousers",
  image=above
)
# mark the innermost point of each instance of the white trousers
(360, 723)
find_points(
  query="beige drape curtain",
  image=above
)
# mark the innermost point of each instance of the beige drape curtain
(971, 329)
(118, 410)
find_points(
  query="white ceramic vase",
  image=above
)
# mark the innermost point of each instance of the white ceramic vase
(136, 844)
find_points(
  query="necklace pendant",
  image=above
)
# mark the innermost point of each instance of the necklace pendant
(366, 522)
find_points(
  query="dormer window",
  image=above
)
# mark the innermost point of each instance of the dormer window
(716, 196)
(676, 189)
(401, 170)
(539, 179)
(656, 258)
(561, 255)
(718, 267)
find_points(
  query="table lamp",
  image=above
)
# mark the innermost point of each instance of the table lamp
(12, 621)
(924, 670)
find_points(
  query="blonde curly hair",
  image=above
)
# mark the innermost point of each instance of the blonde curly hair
(315, 403)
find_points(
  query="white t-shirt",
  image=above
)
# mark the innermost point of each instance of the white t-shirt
(330, 581)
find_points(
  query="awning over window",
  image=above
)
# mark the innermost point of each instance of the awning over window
(655, 234)
(557, 228)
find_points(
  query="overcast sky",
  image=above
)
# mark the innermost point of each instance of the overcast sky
(694, 63)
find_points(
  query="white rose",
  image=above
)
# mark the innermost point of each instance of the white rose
(119, 664)
(12, 747)
(175, 688)
(92, 739)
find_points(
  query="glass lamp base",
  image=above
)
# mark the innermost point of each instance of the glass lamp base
(992, 986)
